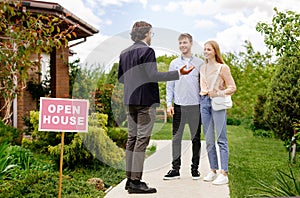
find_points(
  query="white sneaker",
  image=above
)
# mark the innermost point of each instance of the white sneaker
(210, 176)
(220, 180)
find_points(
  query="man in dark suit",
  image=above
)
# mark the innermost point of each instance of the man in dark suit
(138, 71)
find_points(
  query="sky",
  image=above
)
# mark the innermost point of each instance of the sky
(229, 22)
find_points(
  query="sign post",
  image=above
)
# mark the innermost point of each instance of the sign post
(61, 163)
(63, 115)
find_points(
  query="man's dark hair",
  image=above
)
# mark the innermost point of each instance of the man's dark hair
(139, 30)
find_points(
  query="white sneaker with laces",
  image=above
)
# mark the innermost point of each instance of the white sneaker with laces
(220, 180)
(210, 176)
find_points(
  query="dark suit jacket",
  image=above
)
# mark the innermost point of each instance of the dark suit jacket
(138, 72)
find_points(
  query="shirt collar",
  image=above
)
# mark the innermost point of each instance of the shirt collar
(144, 42)
(183, 58)
(141, 42)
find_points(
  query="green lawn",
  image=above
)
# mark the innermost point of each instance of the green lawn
(163, 131)
(251, 159)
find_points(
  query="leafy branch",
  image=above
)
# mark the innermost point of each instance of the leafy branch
(22, 34)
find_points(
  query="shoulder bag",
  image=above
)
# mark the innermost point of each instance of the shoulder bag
(220, 102)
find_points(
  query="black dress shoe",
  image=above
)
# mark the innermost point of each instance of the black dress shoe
(127, 184)
(141, 187)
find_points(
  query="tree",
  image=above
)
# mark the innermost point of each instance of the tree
(83, 80)
(117, 107)
(109, 97)
(163, 64)
(23, 34)
(283, 34)
(282, 108)
(252, 72)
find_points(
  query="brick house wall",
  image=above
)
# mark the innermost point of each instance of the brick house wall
(59, 71)
(25, 102)
(59, 83)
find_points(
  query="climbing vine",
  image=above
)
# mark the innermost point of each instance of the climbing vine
(22, 34)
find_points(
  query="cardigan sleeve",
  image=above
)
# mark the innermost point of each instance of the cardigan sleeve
(204, 89)
(227, 85)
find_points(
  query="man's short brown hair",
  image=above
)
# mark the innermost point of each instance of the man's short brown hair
(185, 35)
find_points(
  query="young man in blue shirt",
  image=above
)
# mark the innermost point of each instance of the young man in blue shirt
(184, 93)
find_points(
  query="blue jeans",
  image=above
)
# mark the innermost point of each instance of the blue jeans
(214, 121)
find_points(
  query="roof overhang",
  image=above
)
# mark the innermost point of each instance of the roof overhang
(82, 30)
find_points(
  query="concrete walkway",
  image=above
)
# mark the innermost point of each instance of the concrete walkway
(159, 163)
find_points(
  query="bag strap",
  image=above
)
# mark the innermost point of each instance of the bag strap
(215, 78)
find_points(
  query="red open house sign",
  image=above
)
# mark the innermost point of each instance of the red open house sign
(63, 115)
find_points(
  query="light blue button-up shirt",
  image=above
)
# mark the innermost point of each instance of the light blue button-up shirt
(184, 91)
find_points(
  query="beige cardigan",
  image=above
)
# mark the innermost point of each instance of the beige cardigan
(224, 85)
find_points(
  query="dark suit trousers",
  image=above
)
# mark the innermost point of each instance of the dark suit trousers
(182, 115)
(140, 123)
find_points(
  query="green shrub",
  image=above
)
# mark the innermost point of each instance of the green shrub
(10, 134)
(21, 156)
(150, 150)
(247, 123)
(103, 148)
(282, 104)
(233, 121)
(80, 149)
(103, 96)
(287, 185)
(42, 140)
(20, 161)
(118, 135)
(44, 183)
(263, 133)
(28, 127)
(37, 184)
(86, 147)
(6, 161)
(75, 154)
(251, 71)
(259, 108)
(169, 119)
(100, 145)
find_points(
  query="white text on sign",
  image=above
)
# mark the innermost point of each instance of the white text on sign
(64, 120)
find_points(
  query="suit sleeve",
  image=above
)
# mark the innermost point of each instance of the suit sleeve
(151, 68)
(120, 72)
